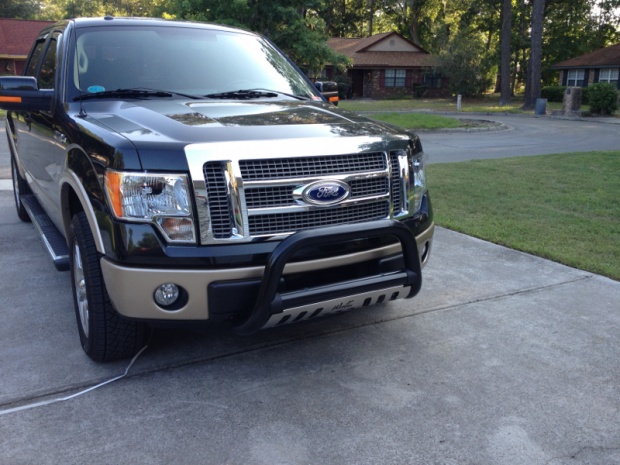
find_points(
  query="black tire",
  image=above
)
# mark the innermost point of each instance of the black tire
(20, 187)
(104, 333)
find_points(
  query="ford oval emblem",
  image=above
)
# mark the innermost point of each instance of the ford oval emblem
(325, 192)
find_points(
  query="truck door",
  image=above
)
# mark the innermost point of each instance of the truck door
(40, 142)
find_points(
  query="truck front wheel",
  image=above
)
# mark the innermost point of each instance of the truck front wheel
(105, 335)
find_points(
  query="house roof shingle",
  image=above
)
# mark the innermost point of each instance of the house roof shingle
(603, 57)
(17, 35)
(356, 50)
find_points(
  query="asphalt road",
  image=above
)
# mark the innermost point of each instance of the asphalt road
(504, 358)
(525, 135)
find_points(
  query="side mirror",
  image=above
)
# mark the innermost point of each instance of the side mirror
(21, 93)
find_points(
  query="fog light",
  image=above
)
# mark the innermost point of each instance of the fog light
(167, 294)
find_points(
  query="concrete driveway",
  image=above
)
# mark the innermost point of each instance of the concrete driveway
(504, 358)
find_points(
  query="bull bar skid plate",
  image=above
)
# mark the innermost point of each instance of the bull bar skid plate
(272, 303)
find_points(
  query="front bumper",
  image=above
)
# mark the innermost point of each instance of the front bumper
(218, 294)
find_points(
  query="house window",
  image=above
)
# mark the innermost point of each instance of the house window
(395, 77)
(576, 78)
(608, 75)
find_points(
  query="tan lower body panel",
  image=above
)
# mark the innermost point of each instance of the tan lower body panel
(132, 289)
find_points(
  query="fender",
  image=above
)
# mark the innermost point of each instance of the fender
(72, 182)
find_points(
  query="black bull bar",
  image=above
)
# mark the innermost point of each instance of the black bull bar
(270, 301)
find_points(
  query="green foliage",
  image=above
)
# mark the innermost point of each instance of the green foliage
(603, 98)
(553, 93)
(308, 47)
(19, 9)
(463, 62)
(585, 100)
(343, 18)
(465, 33)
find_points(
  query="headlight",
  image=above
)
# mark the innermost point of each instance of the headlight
(162, 199)
(418, 178)
(408, 181)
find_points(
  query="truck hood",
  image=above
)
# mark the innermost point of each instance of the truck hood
(217, 121)
(159, 128)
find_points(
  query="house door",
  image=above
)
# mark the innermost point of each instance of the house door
(357, 82)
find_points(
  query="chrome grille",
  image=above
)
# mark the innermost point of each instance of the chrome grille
(281, 196)
(263, 225)
(218, 200)
(248, 190)
(396, 182)
(266, 197)
(303, 167)
(369, 187)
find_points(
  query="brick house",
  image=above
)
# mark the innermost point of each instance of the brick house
(388, 65)
(602, 65)
(16, 38)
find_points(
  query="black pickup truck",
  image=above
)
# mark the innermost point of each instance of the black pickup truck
(187, 173)
(329, 90)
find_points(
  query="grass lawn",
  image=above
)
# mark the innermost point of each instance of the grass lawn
(417, 120)
(563, 207)
(484, 104)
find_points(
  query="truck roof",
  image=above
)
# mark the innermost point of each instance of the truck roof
(140, 21)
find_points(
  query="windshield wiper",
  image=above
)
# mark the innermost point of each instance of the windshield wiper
(133, 93)
(241, 94)
(245, 94)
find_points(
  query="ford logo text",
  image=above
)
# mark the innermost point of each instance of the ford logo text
(324, 192)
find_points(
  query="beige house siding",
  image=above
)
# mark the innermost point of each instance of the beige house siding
(394, 44)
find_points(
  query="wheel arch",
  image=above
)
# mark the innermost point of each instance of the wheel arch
(74, 196)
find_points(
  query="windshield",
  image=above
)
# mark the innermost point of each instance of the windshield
(182, 60)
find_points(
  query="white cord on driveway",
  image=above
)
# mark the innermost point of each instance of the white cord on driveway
(53, 401)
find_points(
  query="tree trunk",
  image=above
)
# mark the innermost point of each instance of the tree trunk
(414, 21)
(505, 93)
(371, 15)
(534, 68)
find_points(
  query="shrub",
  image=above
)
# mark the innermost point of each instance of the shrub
(419, 90)
(553, 93)
(585, 96)
(462, 62)
(602, 98)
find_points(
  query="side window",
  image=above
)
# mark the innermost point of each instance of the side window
(47, 74)
(35, 58)
(608, 75)
(576, 78)
(395, 77)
